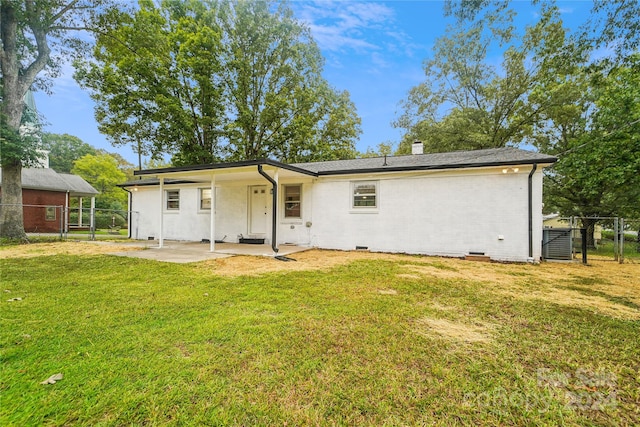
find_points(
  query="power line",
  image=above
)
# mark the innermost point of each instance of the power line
(602, 137)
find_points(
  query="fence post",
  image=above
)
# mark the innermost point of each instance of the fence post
(621, 239)
(615, 239)
(583, 235)
(61, 220)
(92, 220)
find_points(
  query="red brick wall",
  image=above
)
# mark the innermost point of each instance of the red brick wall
(35, 216)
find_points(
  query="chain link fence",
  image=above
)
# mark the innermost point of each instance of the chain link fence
(79, 223)
(605, 238)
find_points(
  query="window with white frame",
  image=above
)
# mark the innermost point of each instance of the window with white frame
(173, 200)
(292, 201)
(205, 198)
(364, 194)
(50, 213)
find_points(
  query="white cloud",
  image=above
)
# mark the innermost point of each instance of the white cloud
(378, 61)
(350, 26)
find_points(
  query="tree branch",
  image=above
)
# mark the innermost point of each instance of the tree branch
(44, 51)
(64, 10)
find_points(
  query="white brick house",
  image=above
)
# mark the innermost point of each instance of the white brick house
(453, 204)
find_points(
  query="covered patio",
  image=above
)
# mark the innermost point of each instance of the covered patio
(239, 202)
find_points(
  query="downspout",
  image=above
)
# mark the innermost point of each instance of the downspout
(533, 170)
(274, 211)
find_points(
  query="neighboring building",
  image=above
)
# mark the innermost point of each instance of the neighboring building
(45, 192)
(46, 195)
(453, 204)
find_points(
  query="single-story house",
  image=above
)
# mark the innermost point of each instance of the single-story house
(484, 202)
(46, 195)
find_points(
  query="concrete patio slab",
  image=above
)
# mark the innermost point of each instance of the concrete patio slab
(185, 252)
(256, 250)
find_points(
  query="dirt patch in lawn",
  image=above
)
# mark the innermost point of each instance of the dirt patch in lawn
(605, 287)
(313, 259)
(602, 286)
(479, 333)
(31, 250)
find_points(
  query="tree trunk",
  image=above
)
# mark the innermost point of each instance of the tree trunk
(11, 213)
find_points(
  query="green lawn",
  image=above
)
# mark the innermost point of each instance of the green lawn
(606, 249)
(123, 232)
(147, 343)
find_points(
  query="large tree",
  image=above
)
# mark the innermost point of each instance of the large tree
(102, 171)
(598, 169)
(611, 24)
(586, 93)
(466, 103)
(153, 79)
(64, 149)
(208, 81)
(33, 36)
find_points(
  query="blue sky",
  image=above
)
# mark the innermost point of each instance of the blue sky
(374, 50)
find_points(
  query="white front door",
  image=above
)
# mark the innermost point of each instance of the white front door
(258, 210)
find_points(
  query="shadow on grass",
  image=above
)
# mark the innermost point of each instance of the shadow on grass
(614, 299)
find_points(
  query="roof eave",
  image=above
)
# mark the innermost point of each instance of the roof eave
(219, 166)
(541, 162)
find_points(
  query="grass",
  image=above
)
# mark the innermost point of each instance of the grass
(379, 341)
(123, 232)
(606, 249)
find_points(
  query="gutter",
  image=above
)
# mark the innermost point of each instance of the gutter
(430, 167)
(533, 170)
(274, 210)
(229, 165)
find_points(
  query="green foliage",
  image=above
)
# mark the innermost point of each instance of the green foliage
(17, 147)
(102, 172)
(210, 81)
(382, 149)
(123, 165)
(597, 174)
(612, 25)
(156, 164)
(465, 103)
(21, 145)
(64, 150)
(35, 36)
(103, 219)
(548, 92)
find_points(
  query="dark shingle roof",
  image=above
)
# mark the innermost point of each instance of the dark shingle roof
(49, 180)
(454, 160)
(78, 185)
(457, 159)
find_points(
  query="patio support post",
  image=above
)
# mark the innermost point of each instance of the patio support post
(80, 211)
(530, 208)
(66, 212)
(160, 234)
(212, 215)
